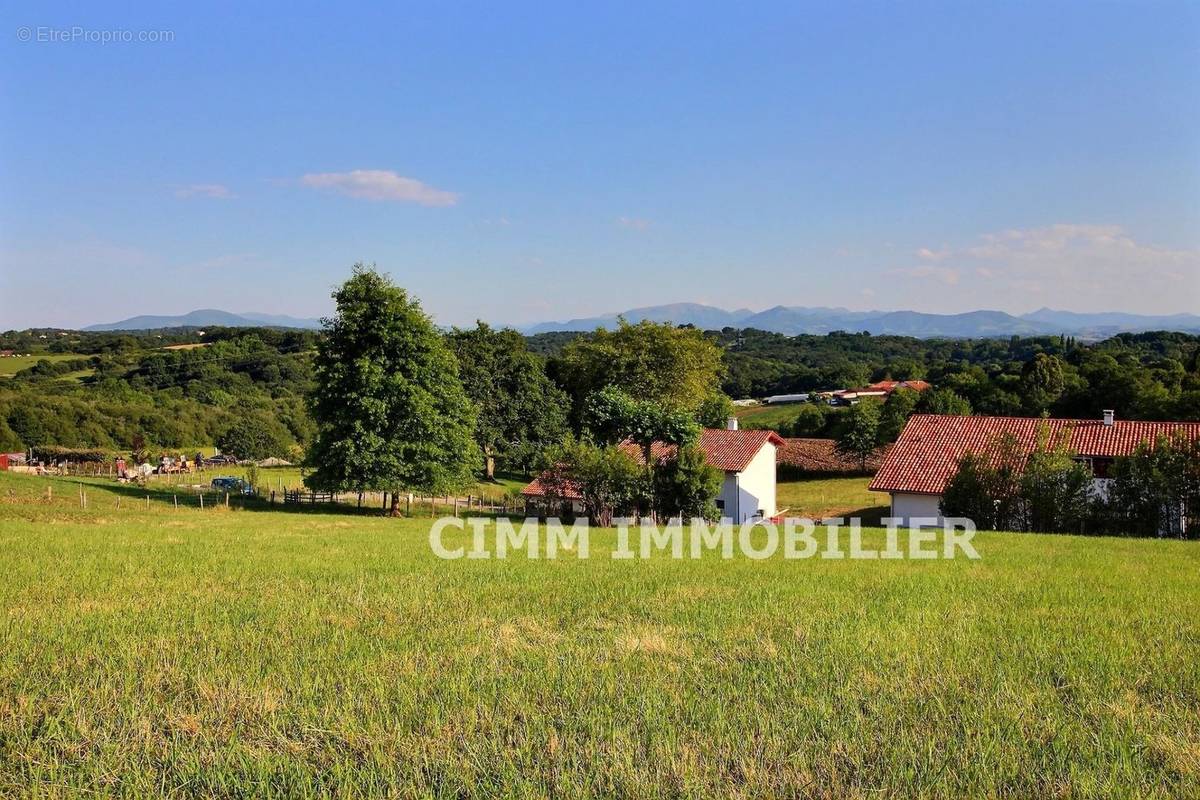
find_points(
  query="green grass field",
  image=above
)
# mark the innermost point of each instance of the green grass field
(279, 478)
(13, 364)
(269, 653)
(768, 416)
(819, 498)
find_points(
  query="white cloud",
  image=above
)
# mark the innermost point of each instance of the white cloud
(380, 184)
(1081, 266)
(946, 275)
(633, 223)
(213, 191)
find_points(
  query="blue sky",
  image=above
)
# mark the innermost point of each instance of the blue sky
(520, 163)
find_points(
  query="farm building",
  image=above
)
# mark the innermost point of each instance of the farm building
(924, 459)
(879, 389)
(746, 457)
(779, 399)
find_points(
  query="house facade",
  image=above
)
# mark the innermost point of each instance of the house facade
(925, 457)
(747, 459)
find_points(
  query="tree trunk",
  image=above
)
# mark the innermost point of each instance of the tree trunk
(489, 461)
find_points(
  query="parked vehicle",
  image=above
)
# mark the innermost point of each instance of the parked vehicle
(222, 459)
(232, 485)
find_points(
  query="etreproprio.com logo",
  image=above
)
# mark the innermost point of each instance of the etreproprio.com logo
(798, 538)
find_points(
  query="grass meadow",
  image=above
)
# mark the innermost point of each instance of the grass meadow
(11, 365)
(818, 498)
(236, 653)
(768, 416)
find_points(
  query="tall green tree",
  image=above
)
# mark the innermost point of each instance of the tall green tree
(520, 409)
(943, 401)
(858, 433)
(715, 411)
(676, 367)
(896, 410)
(611, 416)
(1042, 382)
(390, 410)
(254, 437)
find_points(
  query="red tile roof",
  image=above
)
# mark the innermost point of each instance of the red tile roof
(891, 386)
(730, 451)
(820, 455)
(926, 455)
(536, 489)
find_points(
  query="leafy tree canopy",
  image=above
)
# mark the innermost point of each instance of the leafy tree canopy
(519, 407)
(389, 407)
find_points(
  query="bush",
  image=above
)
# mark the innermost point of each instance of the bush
(1056, 490)
(1156, 491)
(987, 487)
(686, 485)
(609, 481)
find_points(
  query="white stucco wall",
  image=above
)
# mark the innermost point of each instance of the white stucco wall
(906, 506)
(744, 493)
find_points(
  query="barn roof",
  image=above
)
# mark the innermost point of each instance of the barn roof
(926, 455)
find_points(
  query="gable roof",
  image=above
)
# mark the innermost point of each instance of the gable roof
(730, 451)
(926, 455)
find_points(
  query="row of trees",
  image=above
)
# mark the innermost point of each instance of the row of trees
(400, 407)
(1143, 376)
(1153, 492)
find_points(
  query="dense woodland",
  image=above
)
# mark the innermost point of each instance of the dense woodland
(104, 390)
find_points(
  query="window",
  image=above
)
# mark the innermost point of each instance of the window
(720, 505)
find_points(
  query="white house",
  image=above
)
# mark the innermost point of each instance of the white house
(925, 457)
(746, 457)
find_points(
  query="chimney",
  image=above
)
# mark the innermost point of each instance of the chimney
(1108, 417)
(731, 424)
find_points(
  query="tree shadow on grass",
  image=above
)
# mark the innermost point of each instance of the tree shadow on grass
(134, 496)
(868, 516)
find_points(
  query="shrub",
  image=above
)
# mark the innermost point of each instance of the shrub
(686, 485)
(987, 488)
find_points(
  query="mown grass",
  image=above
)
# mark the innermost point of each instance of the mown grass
(770, 417)
(235, 653)
(818, 498)
(280, 478)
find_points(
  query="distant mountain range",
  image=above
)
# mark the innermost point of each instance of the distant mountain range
(790, 320)
(206, 317)
(793, 320)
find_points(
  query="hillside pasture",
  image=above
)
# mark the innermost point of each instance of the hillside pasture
(11, 365)
(246, 653)
(768, 417)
